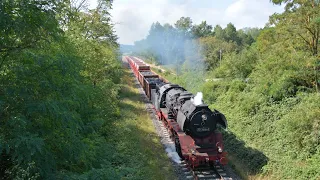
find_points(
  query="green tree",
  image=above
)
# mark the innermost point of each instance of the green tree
(52, 77)
(201, 30)
(17, 32)
(299, 25)
(184, 25)
(301, 20)
(219, 32)
(238, 65)
(213, 50)
(231, 33)
(244, 39)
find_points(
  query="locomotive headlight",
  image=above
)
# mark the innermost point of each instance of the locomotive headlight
(219, 147)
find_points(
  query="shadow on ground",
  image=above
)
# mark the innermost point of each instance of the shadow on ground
(245, 160)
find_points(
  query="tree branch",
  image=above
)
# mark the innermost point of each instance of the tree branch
(304, 39)
(313, 34)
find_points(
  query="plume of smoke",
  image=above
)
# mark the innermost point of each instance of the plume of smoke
(197, 100)
(176, 51)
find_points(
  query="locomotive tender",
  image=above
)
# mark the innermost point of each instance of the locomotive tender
(192, 125)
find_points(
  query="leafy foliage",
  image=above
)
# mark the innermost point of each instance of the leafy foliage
(55, 67)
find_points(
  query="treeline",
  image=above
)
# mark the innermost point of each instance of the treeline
(59, 76)
(170, 44)
(267, 84)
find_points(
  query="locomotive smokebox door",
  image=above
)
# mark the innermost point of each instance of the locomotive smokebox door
(197, 120)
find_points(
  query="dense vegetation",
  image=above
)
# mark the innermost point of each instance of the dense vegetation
(60, 113)
(56, 62)
(266, 81)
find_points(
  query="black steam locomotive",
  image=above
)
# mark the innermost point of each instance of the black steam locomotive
(195, 120)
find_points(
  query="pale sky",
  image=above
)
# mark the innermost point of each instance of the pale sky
(133, 18)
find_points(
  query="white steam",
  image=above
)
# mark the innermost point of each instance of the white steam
(171, 151)
(197, 100)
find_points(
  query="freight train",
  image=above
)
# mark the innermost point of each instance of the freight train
(191, 124)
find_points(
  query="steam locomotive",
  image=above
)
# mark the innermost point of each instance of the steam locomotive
(190, 122)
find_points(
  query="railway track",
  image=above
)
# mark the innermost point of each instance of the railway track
(205, 173)
(185, 172)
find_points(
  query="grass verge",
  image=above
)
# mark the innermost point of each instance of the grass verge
(137, 147)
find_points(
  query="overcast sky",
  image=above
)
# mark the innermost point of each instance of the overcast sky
(133, 18)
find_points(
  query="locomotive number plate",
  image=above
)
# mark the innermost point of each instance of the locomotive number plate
(202, 129)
